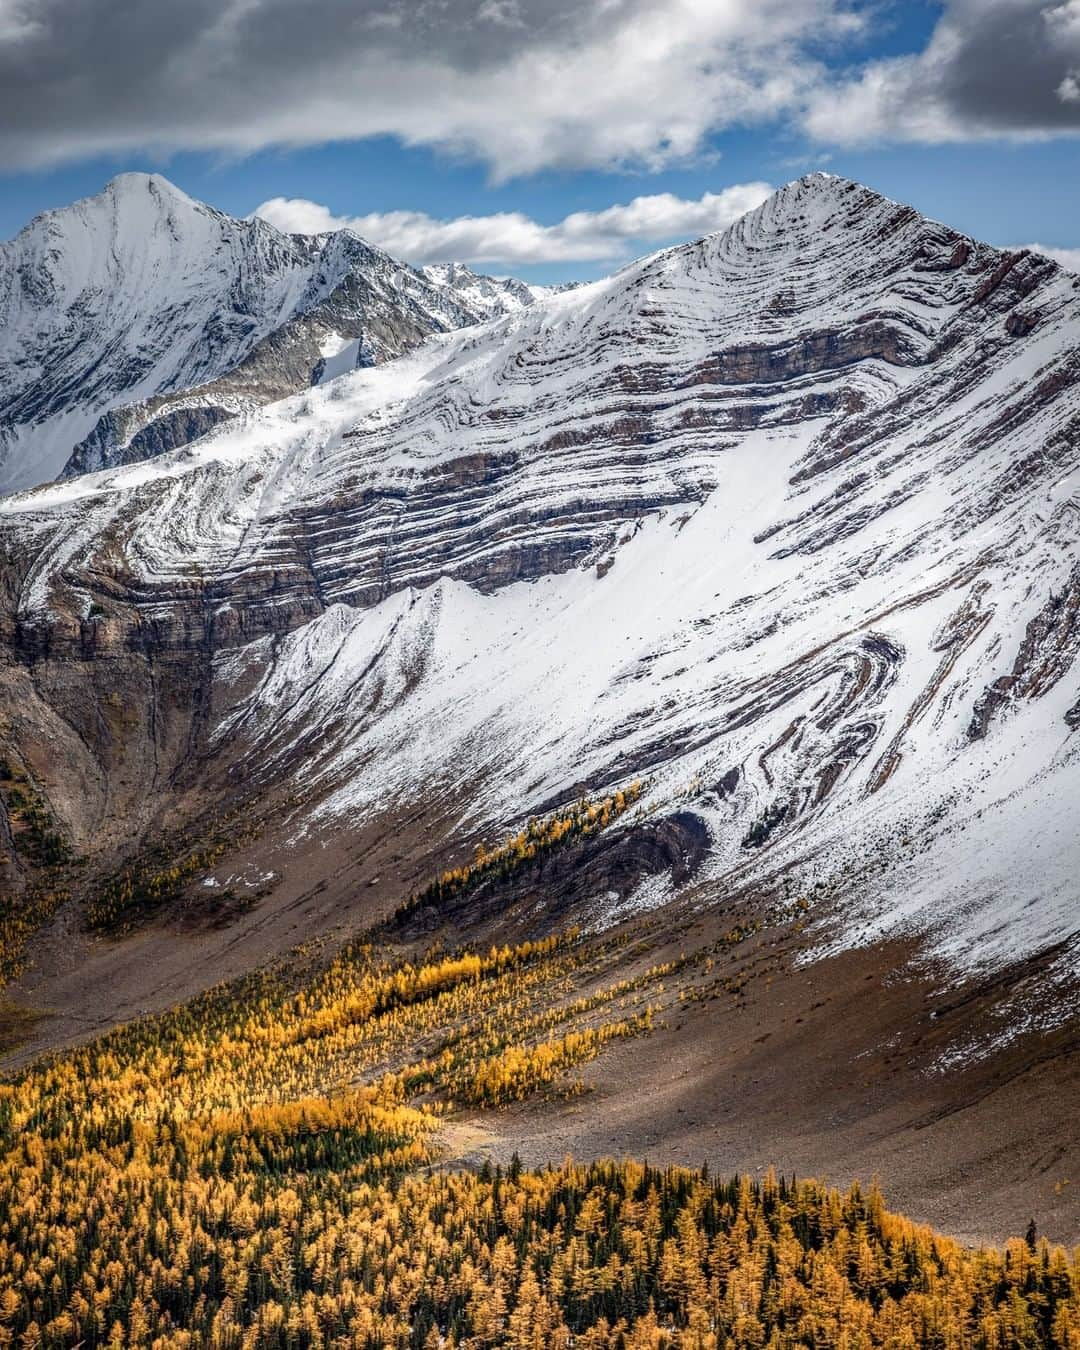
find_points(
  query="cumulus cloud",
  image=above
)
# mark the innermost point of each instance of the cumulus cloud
(992, 68)
(512, 237)
(520, 84)
(1067, 257)
(16, 22)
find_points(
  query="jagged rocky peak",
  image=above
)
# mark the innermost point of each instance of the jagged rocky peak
(492, 296)
(122, 313)
(135, 186)
(127, 235)
(813, 200)
(829, 307)
(821, 249)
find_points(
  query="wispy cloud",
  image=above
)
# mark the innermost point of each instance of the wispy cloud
(512, 237)
(17, 23)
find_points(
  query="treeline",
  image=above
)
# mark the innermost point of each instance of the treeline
(38, 842)
(255, 1169)
(520, 1070)
(379, 991)
(539, 837)
(126, 898)
(160, 877)
(308, 1226)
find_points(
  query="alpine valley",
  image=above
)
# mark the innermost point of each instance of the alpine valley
(699, 646)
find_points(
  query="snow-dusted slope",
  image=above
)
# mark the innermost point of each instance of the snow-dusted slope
(784, 520)
(110, 309)
(491, 297)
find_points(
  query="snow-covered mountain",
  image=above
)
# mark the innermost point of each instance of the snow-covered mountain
(491, 297)
(133, 321)
(783, 521)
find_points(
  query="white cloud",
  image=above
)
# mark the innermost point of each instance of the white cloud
(16, 21)
(511, 237)
(1067, 257)
(1065, 17)
(522, 85)
(519, 85)
(991, 69)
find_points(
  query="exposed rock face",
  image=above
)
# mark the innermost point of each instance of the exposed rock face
(114, 310)
(140, 431)
(569, 882)
(1046, 655)
(758, 517)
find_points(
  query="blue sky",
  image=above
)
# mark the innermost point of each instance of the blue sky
(887, 93)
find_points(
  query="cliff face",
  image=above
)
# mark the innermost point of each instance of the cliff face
(783, 520)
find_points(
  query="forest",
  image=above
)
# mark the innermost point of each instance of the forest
(266, 1165)
(262, 1167)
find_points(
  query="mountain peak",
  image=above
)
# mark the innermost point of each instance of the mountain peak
(809, 216)
(138, 192)
(133, 182)
(141, 291)
(821, 178)
(126, 195)
(825, 191)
